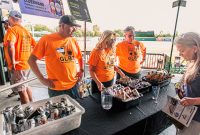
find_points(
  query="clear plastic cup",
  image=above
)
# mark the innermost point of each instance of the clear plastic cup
(155, 93)
(106, 100)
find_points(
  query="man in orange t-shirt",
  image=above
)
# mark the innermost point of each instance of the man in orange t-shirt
(131, 54)
(61, 51)
(18, 44)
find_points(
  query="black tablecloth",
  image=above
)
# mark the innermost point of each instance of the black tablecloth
(146, 118)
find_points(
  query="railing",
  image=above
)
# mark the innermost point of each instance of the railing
(28, 80)
(86, 56)
(17, 84)
(153, 60)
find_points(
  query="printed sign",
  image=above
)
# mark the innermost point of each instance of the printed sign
(79, 10)
(179, 3)
(45, 8)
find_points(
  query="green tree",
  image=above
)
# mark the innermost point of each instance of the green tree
(78, 33)
(119, 32)
(96, 31)
(167, 35)
(89, 33)
(27, 27)
(162, 34)
(177, 34)
(40, 27)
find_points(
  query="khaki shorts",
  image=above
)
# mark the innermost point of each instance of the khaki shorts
(17, 76)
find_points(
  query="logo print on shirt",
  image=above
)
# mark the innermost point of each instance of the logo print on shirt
(110, 60)
(65, 55)
(133, 53)
(70, 57)
(26, 43)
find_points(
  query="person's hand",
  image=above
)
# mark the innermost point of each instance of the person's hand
(79, 75)
(186, 101)
(100, 86)
(48, 82)
(14, 64)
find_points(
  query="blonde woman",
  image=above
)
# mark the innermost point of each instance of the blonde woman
(102, 62)
(188, 46)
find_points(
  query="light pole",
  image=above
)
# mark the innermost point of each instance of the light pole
(175, 4)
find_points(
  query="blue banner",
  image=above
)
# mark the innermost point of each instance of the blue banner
(45, 8)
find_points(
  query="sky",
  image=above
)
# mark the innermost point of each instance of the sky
(144, 15)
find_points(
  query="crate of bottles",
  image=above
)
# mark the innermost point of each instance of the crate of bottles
(53, 116)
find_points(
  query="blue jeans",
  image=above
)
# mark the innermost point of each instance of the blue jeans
(73, 92)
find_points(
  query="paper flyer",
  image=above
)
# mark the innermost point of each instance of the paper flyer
(182, 114)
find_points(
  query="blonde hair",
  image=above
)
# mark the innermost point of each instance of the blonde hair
(105, 36)
(191, 39)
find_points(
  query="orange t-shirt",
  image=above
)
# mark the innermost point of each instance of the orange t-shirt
(60, 56)
(23, 43)
(130, 55)
(104, 61)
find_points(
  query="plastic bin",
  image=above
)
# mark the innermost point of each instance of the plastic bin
(55, 127)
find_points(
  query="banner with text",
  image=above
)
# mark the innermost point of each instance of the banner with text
(45, 8)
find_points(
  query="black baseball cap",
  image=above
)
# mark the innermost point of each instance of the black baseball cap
(70, 20)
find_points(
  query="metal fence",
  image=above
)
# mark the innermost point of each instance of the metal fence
(153, 60)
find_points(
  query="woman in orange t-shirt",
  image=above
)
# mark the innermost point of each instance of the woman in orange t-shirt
(102, 62)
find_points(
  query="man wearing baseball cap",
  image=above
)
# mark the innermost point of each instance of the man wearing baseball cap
(18, 45)
(60, 51)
